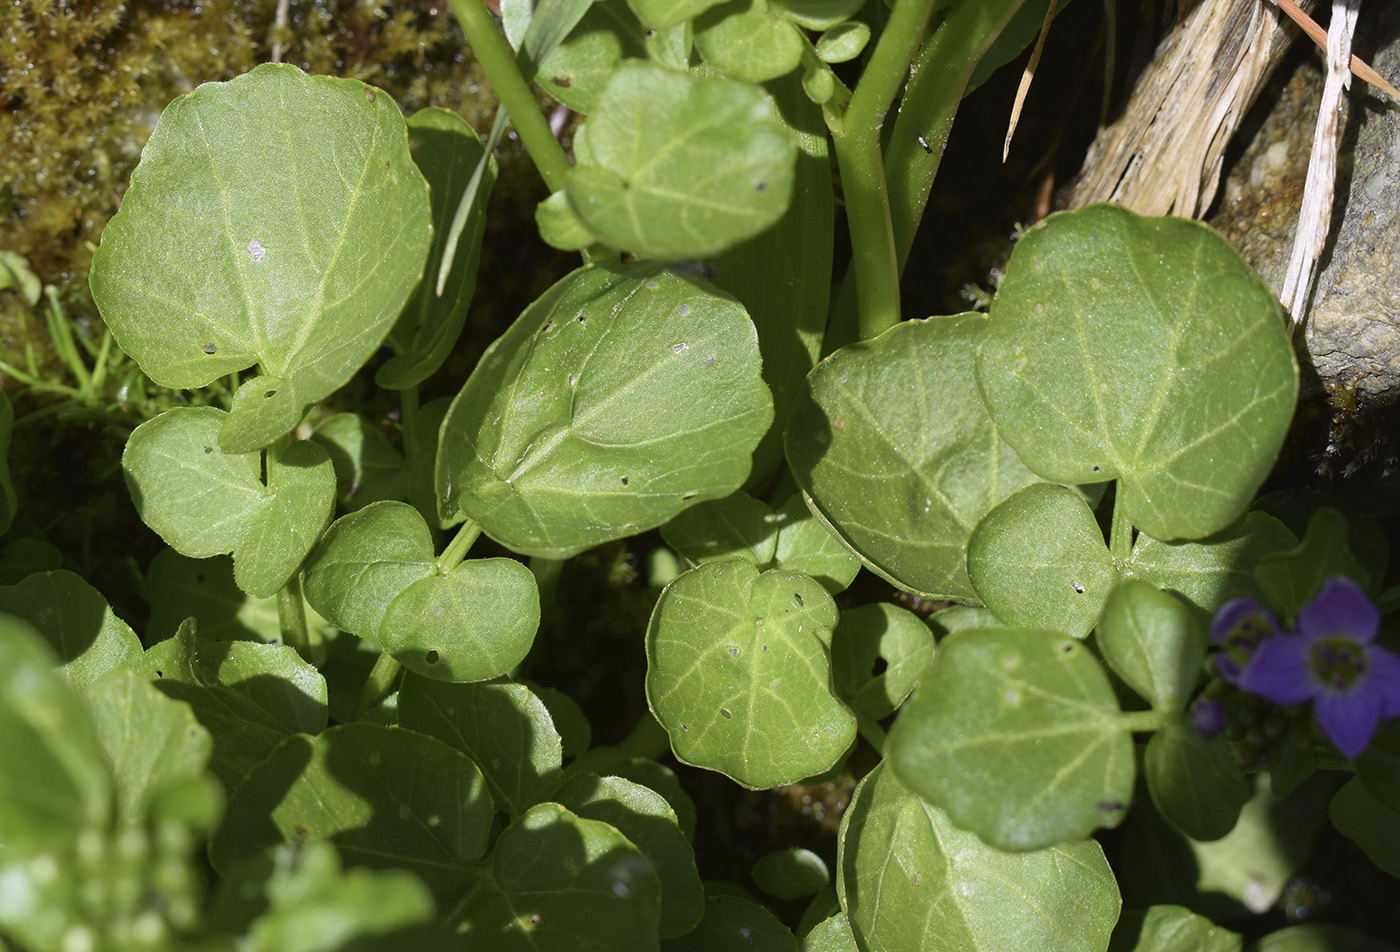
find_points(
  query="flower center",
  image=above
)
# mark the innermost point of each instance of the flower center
(1242, 639)
(1338, 661)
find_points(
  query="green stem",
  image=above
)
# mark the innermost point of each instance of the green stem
(459, 546)
(873, 733)
(378, 684)
(1120, 533)
(514, 92)
(647, 740)
(1142, 722)
(291, 615)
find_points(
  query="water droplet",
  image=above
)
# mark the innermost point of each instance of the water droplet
(916, 879)
(573, 380)
(1012, 697)
(775, 685)
(652, 285)
(683, 310)
(710, 360)
(256, 251)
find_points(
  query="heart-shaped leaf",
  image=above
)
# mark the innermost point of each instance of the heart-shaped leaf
(204, 502)
(1150, 640)
(276, 220)
(1039, 561)
(446, 150)
(910, 879)
(623, 395)
(644, 817)
(904, 476)
(738, 673)
(387, 798)
(878, 654)
(248, 696)
(502, 726)
(81, 628)
(1143, 350)
(680, 165)
(1018, 735)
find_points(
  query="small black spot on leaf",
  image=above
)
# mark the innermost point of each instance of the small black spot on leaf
(797, 600)
(1096, 468)
(649, 33)
(625, 480)
(879, 667)
(1078, 588)
(432, 656)
(210, 348)
(563, 82)
(760, 186)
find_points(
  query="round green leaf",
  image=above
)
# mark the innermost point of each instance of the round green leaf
(205, 502)
(663, 780)
(501, 726)
(560, 227)
(1170, 929)
(736, 526)
(738, 673)
(561, 883)
(471, 624)
(387, 798)
(623, 395)
(1018, 735)
(364, 561)
(1152, 642)
(1369, 823)
(910, 879)
(749, 40)
(1195, 783)
(644, 817)
(56, 781)
(153, 742)
(679, 165)
(664, 13)
(81, 628)
(878, 654)
(843, 42)
(817, 14)
(734, 924)
(790, 873)
(904, 473)
(1039, 560)
(1143, 350)
(276, 220)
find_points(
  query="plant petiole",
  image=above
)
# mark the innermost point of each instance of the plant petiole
(457, 549)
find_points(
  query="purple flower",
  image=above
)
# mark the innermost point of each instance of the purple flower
(1331, 659)
(1240, 625)
(1208, 718)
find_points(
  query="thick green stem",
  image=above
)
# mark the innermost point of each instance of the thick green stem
(1142, 722)
(291, 615)
(1120, 533)
(378, 684)
(459, 546)
(496, 59)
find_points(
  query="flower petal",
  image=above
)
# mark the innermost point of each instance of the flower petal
(1341, 608)
(1349, 720)
(1279, 671)
(1383, 669)
(1235, 611)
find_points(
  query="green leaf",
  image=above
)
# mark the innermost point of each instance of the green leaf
(446, 150)
(9, 503)
(1320, 938)
(1153, 643)
(644, 817)
(78, 624)
(911, 879)
(275, 220)
(1378, 767)
(1290, 579)
(248, 696)
(16, 273)
(808, 545)
(575, 733)
(664, 13)
(154, 743)
(364, 560)
(903, 481)
(1195, 783)
(57, 782)
(749, 40)
(878, 654)
(1366, 820)
(367, 468)
(1017, 734)
(1145, 351)
(180, 587)
(387, 798)
(561, 883)
(831, 935)
(790, 873)
(204, 502)
(1039, 560)
(817, 14)
(1365, 537)
(503, 727)
(622, 396)
(1170, 929)
(560, 227)
(737, 526)
(1219, 567)
(679, 165)
(734, 924)
(843, 42)
(738, 674)
(24, 556)
(664, 781)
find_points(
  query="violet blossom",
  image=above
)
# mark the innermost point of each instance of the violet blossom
(1240, 626)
